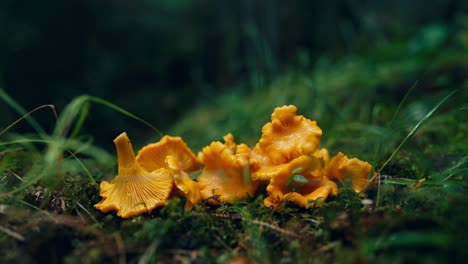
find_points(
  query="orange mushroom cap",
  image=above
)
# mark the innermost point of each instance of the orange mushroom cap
(319, 191)
(311, 184)
(134, 190)
(323, 155)
(184, 183)
(153, 156)
(226, 175)
(286, 137)
(342, 168)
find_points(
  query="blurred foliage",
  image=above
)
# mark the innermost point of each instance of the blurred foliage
(159, 58)
(348, 96)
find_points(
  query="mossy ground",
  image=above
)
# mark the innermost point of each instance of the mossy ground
(417, 214)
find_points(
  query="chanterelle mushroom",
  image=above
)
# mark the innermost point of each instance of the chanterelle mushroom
(153, 156)
(287, 137)
(134, 190)
(301, 181)
(342, 168)
(184, 183)
(226, 175)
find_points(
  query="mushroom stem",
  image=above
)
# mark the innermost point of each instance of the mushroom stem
(125, 154)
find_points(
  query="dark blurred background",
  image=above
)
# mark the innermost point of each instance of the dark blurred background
(158, 59)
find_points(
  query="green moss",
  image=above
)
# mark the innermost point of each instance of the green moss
(355, 100)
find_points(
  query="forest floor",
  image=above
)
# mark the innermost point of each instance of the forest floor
(404, 110)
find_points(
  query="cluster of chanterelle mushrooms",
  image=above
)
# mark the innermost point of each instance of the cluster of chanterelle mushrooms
(286, 159)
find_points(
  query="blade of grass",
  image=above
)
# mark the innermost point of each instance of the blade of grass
(40, 175)
(26, 116)
(82, 117)
(400, 181)
(49, 169)
(123, 111)
(13, 104)
(149, 252)
(89, 214)
(416, 128)
(68, 115)
(460, 167)
(86, 147)
(74, 147)
(384, 133)
(39, 209)
(411, 239)
(88, 173)
(78, 109)
(402, 102)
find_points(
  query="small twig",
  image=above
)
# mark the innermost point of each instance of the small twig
(221, 241)
(83, 220)
(377, 201)
(327, 247)
(2, 153)
(11, 233)
(40, 210)
(274, 227)
(179, 255)
(16, 175)
(315, 222)
(90, 215)
(260, 223)
(121, 248)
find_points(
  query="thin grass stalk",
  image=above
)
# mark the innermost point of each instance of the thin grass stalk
(416, 128)
(27, 115)
(13, 104)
